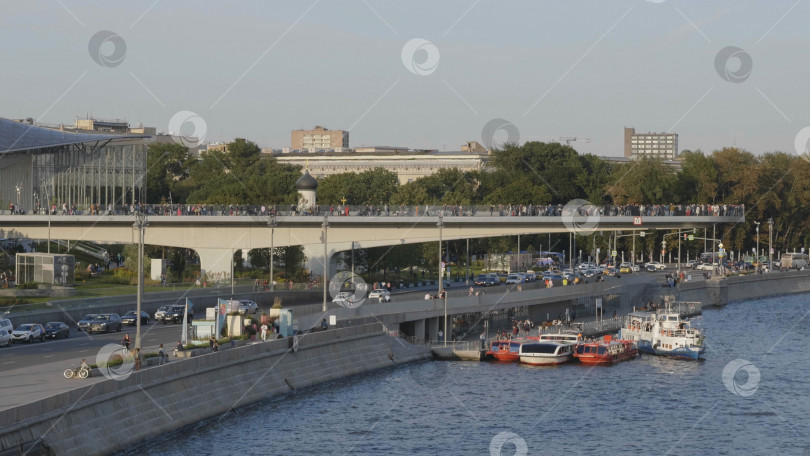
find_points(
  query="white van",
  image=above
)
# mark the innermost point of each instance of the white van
(794, 260)
(515, 278)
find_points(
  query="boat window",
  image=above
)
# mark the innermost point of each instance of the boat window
(514, 347)
(580, 349)
(539, 348)
(673, 318)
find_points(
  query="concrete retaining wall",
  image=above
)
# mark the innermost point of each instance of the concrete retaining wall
(720, 292)
(111, 415)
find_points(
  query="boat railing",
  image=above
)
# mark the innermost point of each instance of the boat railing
(456, 345)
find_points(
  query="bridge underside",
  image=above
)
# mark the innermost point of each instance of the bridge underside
(216, 236)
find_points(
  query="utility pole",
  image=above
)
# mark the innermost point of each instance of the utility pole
(141, 222)
(272, 224)
(325, 226)
(770, 243)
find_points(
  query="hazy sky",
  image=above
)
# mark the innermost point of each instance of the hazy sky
(575, 68)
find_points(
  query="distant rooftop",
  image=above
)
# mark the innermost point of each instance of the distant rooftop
(18, 136)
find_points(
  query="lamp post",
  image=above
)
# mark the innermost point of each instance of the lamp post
(440, 224)
(770, 243)
(141, 222)
(271, 222)
(325, 226)
(757, 254)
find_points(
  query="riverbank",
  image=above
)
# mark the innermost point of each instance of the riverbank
(110, 415)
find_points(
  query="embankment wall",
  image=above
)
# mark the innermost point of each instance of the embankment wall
(113, 414)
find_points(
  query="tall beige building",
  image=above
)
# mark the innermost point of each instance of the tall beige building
(319, 138)
(663, 146)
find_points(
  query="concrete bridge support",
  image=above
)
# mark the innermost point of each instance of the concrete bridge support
(215, 264)
(419, 329)
(433, 328)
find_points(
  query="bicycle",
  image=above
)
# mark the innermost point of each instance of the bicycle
(81, 372)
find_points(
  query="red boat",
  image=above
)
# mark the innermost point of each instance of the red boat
(606, 351)
(505, 350)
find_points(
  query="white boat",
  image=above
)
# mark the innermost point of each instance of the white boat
(549, 349)
(664, 333)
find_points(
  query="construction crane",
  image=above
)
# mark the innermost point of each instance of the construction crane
(569, 139)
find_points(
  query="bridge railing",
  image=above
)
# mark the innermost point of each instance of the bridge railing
(385, 210)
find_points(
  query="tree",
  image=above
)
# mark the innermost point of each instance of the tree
(166, 163)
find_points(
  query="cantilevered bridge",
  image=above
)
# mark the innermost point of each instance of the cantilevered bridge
(215, 237)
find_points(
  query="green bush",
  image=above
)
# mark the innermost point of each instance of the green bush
(28, 286)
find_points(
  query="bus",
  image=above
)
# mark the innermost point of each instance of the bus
(794, 260)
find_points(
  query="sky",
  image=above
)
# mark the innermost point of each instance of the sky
(421, 74)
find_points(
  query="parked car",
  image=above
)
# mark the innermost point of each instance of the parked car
(5, 338)
(28, 332)
(129, 318)
(106, 323)
(56, 330)
(5, 323)
(173, 314)
(382, 294)
(658, 266)
(246, 306)
(84, 323)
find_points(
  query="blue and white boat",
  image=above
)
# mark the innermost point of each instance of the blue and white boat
(664, 333)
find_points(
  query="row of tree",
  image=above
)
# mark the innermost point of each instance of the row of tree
(772, 185)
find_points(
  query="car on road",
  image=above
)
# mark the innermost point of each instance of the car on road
(247, 306)
(481, 279)
(5, 338)
(530, 276)
(692, 264)
(705, 267)
(492, 281)
(611, 272)
(173, 314)
(129, 318)
(343, 297)
(658, 266)
(5, 323)
(56, 330)
(625, 268)
(28, 332)
(381, 294)
(106, 323)
(515, 278)
(84, 323)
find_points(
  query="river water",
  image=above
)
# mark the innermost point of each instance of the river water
(751, 395)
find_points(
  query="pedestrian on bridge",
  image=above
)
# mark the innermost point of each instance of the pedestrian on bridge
(126, 342)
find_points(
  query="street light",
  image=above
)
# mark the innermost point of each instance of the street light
(271, 222)
(440, 224)
(141, 222)
(770, 243)
(757, 254)
(325, 226)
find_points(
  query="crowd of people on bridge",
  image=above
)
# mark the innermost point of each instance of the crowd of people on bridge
(499, 210)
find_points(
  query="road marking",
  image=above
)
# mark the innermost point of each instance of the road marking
(9, 362)
(49, 356)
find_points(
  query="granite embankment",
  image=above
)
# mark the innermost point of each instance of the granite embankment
(113, 414)
(720, 292)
